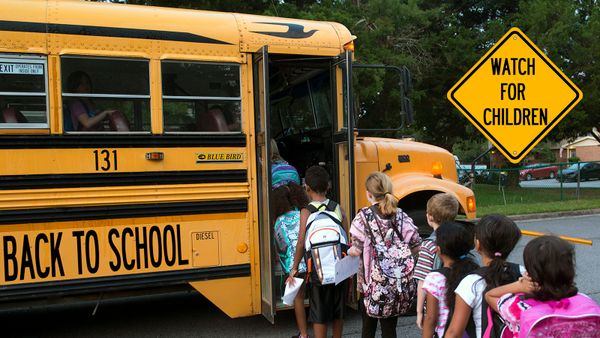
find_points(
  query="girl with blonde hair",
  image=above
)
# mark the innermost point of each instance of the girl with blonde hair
(386, 238)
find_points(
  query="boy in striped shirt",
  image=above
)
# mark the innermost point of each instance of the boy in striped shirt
(440, 208)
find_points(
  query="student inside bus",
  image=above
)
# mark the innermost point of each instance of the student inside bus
(11, 115)
(216, 118)
(212, 120)
(82, 110)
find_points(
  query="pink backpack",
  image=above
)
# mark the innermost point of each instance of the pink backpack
(577, 316)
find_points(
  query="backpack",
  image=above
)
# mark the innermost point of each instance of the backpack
(285, 236)
(325, 242)
(577, 316)
(390, 290)
(492, 325)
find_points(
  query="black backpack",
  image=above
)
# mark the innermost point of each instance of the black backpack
(496, 325)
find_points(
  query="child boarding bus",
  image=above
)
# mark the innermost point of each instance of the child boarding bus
(134, 147)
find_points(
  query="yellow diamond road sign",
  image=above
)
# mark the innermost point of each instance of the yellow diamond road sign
(515, 95)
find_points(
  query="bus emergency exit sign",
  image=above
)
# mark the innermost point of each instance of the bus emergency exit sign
(515, 95)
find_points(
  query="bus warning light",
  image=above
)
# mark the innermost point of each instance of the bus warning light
(155, 156)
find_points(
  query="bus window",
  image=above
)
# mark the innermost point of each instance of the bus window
(23, 89)
(201, 97)
(104, 94)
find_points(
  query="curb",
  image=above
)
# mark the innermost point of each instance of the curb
(552, 214)
(555, 214)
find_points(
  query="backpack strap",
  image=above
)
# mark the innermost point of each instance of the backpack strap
(311, 208)
(331, 205)
(487, 314)
(373, 209)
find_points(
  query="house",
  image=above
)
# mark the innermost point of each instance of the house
(586, 148)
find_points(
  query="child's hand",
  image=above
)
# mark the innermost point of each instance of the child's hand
(526, 284)
(354, 252)
(420, 320)
(290, 280)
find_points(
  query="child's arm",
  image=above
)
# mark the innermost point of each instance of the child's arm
(459, 320)
(420, 304)
(358, 236)
(431, 316)
(304, 213)
(344, 218)
(524, 285)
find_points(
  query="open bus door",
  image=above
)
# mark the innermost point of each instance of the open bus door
(343, 135)
(260, 65)
(343, 141)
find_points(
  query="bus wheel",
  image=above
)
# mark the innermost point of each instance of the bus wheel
(419, 217)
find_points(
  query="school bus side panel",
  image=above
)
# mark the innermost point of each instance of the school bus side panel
(239, 297)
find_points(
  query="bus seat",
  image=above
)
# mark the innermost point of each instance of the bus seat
(12, 115)
(118, 121)
(213, 120)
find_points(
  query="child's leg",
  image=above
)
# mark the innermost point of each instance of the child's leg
(338, 326)
(320, 330)
(369, 324)
(300, 312)
(388, 327)
(420, 304)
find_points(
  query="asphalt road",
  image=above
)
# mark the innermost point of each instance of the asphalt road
(190, 315)
(553, 183)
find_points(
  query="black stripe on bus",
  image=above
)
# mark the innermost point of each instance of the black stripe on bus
(47, 215)
(14, 182)
(120, 141)
(120, 283)
(148, 34)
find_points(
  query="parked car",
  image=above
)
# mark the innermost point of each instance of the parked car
(463, 170)
(538, 171)
(586, 170)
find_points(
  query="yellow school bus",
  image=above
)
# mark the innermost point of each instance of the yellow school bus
(134, 147)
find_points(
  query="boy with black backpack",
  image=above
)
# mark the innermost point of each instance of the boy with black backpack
(323, 239)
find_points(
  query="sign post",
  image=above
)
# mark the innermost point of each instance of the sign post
(515, 95)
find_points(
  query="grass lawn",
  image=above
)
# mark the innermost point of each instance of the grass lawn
(520, 201)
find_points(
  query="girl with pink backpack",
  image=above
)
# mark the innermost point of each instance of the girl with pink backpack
(545, 302)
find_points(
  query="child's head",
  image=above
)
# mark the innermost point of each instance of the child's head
(379, 188)
(495, 237)
(454, 242)
(286, 198)
(441, 208)
(317, 179)
(550, 262)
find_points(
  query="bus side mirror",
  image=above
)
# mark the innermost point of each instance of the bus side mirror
(407, 111)
(596, 134)
(381, 100)
(407, 106)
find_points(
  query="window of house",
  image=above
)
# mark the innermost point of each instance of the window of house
(201, 97)
(105, 94)
(23, 92)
